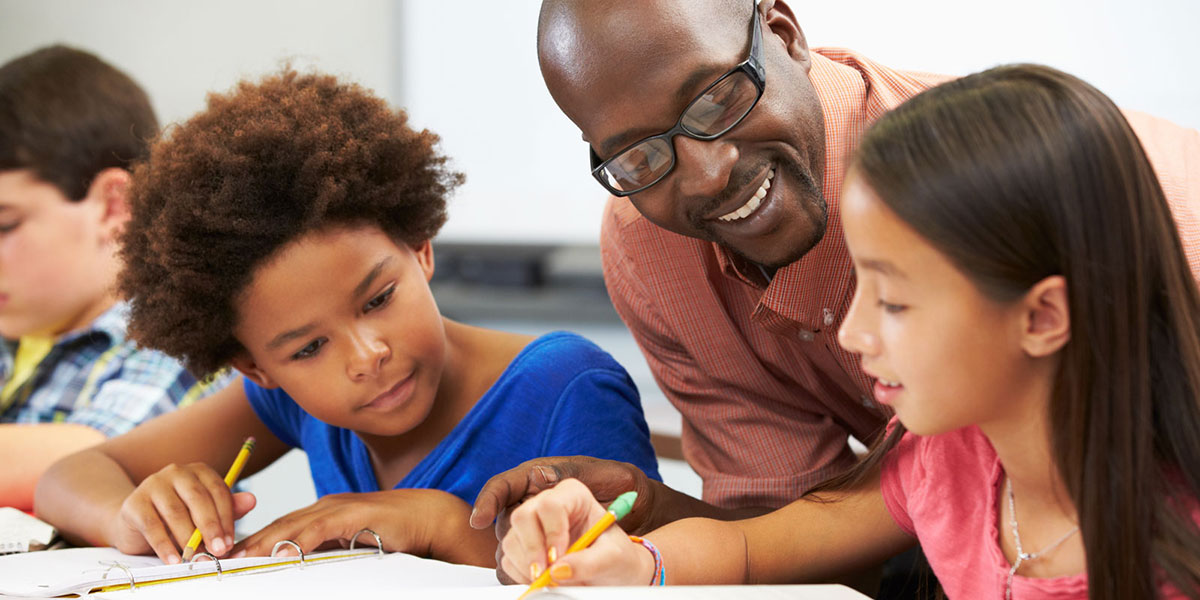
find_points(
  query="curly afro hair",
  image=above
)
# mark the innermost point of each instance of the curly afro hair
(262, 166)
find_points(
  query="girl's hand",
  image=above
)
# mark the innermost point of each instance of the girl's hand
(543, 528)
(429, 523)
(161, 513)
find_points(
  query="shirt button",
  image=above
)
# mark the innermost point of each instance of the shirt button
(828, 317)
(866, 400)
(807, 335)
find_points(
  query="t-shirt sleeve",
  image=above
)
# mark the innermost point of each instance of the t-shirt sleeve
(278, 412)
(599, 414)
(897, 478)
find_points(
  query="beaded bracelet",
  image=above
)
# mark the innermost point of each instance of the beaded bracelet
(660, 571)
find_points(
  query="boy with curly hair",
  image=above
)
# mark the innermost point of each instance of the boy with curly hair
(286, 231)
(70, 124)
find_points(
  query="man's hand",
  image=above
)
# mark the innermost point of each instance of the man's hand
(607, 479)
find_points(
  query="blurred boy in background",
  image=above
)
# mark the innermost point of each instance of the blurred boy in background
(70, 125)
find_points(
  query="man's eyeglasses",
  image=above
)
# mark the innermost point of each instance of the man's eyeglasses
(719, 108)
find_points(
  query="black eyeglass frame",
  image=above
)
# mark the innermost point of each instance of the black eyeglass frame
(752, 67)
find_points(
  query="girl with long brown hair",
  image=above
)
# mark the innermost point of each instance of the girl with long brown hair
(1026, 307)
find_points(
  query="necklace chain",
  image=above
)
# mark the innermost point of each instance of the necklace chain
(1022, 556)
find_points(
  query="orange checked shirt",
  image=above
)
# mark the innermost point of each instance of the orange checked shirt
(767, 395)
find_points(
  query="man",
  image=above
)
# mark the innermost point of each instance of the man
(725, 257)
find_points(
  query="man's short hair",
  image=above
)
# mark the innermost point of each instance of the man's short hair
(66, 115)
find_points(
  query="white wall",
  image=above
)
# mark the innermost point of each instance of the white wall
(441, 59)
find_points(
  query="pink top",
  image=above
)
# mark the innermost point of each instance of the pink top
(943, 490)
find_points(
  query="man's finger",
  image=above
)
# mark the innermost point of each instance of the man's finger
(511, 487)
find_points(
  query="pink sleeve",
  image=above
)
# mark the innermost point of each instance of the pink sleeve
(897, 478)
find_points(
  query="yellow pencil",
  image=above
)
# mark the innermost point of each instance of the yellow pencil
(234, 471)
(617, 510)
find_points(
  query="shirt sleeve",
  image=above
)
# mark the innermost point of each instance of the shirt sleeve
(599, 414)
(749, 449)
(143, 385)
(1174, 152)
(278, 412)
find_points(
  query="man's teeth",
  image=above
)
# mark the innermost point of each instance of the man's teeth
(754, 202)
(891, 384)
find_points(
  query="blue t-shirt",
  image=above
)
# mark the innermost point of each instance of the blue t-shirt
(561, 396)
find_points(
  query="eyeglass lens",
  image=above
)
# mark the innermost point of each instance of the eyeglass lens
(717, 109)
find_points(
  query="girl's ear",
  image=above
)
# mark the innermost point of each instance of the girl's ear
(1046, 319)
(424, 254)
(246, 366)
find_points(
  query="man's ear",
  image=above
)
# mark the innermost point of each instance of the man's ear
(246, 366)
(110, 191)
(424, 254)
(780, 21)
(1046, 317)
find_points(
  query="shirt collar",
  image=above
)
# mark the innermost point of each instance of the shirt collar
(111, 324)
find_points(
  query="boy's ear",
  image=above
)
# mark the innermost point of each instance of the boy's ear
(424, 254)
(246, 366)
(1046, 317)
(781, 22)
(110, 190)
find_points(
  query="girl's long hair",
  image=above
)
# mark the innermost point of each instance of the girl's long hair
(1022, 172)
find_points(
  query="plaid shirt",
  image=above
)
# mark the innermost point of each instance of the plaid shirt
(767, 394)
(97, 377)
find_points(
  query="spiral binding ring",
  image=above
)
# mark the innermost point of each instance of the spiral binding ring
(216, 562)
(378, 540)
(292, 544)
(117, 565)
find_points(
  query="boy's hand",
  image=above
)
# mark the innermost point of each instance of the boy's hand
(161, 513)
(423, 522)
(544, 527)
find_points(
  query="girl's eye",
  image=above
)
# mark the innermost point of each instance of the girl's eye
(379, 300)
(891, 308)
(7, 227)
(310, 350)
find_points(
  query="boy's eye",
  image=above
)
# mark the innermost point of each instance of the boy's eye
(891, 308)
(379, 300)
(7, 227)
(310, 350)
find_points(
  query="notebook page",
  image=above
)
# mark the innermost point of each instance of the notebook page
(53, 572)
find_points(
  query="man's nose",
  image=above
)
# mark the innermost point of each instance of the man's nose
(703, 168)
